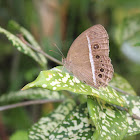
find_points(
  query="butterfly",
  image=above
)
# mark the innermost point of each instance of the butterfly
(88, 57)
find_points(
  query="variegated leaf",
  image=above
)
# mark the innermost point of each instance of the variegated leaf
(55, 79)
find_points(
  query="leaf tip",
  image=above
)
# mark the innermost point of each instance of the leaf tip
(30, 85)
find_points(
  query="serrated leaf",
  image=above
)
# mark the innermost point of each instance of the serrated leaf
(46, 125)
(121, 83)
(110, 122)
(30, 38)
(30, 94)
(57, 80)
(21, 46)
(77, 125)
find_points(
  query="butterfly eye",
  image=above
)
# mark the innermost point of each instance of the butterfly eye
(97, 56)
(102, 70)
(100, 75)
(96, 46)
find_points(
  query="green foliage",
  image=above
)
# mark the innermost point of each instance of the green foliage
(46, 125)
(101, 113)
(57, 80)
(122, 83)
(30, 94)
(110, 121)
(22, 47)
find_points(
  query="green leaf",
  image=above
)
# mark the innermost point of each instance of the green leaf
(46, 125)
(30, 94)
(121, 83)
(75, 122)
(22, 47)
(134, 109)
(30, 38)
(110, 122)
(77, 125)
(55, 79)
(132, 101)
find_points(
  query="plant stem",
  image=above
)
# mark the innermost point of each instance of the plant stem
(26, 103)
(119, 90)
(39, 50)
(134, 116)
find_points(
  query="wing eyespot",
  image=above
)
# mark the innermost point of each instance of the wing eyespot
(101, 70)
(100, 75)
(97, 56)
(96, 46)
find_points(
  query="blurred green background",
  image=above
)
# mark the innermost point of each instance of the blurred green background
(59, 22)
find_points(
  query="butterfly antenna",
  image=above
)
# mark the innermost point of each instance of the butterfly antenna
(59, 50)
(55, 52)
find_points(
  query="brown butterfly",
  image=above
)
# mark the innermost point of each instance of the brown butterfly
(88, 57)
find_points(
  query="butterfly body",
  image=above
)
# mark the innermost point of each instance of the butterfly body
(88, 57)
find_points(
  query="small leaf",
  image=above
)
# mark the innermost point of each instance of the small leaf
(22, 47)
(30, 94)
(46, 125)
(55, 79)
(110, 122)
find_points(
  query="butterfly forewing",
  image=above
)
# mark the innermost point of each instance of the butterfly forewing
(88, 57)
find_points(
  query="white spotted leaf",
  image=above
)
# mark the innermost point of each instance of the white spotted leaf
(15, 26)
(134, 109)
(110, 122)
(31, 94)
(55, 79)
(47, 124)
(132, 101)
(76, 125)
(17, 43)
(73, 123)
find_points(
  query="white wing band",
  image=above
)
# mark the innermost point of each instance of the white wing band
(91, 60)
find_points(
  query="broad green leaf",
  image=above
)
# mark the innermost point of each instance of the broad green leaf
(134, 109)
(55, 79)
(132, 101)
(30, 94)
(77, 125)
(110, 122)
(22, 47)
(30, 38)
(46, 125)
(121, 83)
